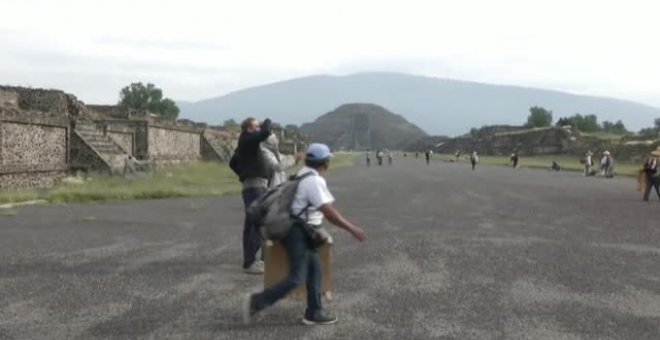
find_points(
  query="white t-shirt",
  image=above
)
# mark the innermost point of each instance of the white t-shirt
(313, 192)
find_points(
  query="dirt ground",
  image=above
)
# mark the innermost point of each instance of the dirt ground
(452, 254)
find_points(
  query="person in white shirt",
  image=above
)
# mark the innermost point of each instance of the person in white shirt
(312, 202)
(273, 160)
(474, 159)
(588, 163)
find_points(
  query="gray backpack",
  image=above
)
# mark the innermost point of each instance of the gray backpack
(272, 214)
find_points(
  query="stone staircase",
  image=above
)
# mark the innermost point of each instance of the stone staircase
(101, 146)
(222, 146)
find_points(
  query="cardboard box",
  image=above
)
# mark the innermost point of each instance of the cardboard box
(277, 268)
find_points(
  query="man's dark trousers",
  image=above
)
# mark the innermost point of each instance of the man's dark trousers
(252, 240)
(304, 266)
(652, 183)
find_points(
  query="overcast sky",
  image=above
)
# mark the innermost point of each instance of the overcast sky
(200, 49)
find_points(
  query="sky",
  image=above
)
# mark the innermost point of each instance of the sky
(194, 50)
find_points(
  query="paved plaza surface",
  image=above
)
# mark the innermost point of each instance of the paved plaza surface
(451, 254)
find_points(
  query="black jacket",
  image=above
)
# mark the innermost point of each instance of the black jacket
(249, 153)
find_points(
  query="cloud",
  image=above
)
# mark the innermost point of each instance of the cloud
(202, 48)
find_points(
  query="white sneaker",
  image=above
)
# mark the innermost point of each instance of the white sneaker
(247, 310)
(255, 268)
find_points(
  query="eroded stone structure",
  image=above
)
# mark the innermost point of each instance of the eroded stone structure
(501, 140)
(45, 134)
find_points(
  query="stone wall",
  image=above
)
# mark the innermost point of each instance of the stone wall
(171, 146)
(546, 141)
(33, 149)
(634, 151)
(543, 141)
(124, 140)
(29, 145)
(28, 180)
(8, 98)
(141, 146)
(111, 111)
(53, 102)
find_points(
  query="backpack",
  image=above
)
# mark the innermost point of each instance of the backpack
(272, 214)
(234, 164)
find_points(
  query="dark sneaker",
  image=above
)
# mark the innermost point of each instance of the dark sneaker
(249, 309)
(319, 318)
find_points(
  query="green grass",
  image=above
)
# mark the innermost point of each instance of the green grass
(605, 135)
(343, 160)
(12, 196)
(200, 179)
(194, 180)
(567, 163)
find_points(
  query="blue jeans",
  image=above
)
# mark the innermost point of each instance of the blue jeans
(252, 240)
(304, 266)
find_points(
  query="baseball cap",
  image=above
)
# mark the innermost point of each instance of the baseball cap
(318, 152)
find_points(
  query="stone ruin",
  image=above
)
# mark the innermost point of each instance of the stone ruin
(47, 134)
(502, 140)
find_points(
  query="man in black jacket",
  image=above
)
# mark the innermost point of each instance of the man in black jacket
(254, 177)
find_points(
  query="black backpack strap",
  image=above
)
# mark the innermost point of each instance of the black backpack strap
(304, 210)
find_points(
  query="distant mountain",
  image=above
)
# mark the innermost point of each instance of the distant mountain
(362, 127)
(438, 106)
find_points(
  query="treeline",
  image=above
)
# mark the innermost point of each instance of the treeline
(291, 131)
(541, 117)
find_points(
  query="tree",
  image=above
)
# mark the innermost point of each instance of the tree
(539, 117)
(231, 125)
(139, 97)
(619, 128)
(564, 122)
(291, 131)
(652, 132)
(588, 123)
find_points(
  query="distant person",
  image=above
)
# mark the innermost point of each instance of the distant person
(427, 155)
(474, 159)
(588, 163)
(555, 166)
(607, 165)
(368, 155)
(390, 157)
(652, 174)
(417, 154)
(515, 159)
(314, 201)
(379, 156)
(254, 176)
(458, 155)
(130, 166)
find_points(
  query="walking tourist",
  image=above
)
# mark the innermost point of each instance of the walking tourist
(313, 201)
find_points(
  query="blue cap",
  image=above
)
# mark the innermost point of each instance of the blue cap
(318, 152)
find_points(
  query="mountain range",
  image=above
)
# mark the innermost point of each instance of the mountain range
(438, 106)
